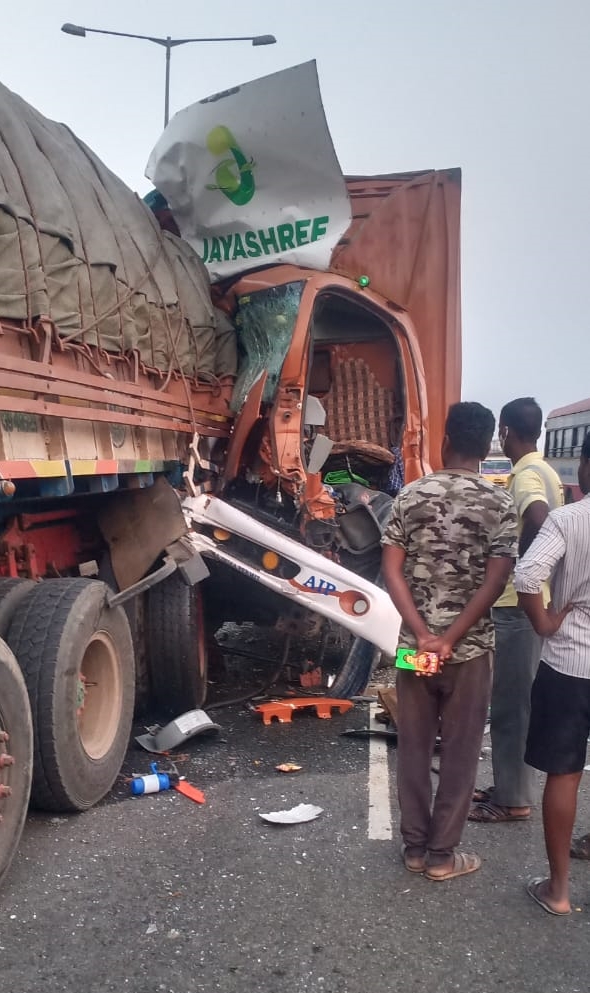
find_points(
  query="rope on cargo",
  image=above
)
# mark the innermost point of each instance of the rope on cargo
(180, 369)
(117, 307)
(25, 274)
(18, 221)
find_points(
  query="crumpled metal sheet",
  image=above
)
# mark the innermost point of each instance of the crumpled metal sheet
(188, 725)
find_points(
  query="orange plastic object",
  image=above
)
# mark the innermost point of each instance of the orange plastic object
(276, 708)
(283, 709)
(314, 677)
(190, 791)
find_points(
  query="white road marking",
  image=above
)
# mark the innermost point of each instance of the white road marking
(379, 801)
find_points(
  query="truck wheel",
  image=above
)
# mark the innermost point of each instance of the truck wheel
(12, 593)
(356, 669)
(16, 755)
(76, 655)
(176, 646)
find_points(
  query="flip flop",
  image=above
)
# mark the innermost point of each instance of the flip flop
(532, 887)
(413, 863)
(492, 813)
(580, 847)
(463, 864)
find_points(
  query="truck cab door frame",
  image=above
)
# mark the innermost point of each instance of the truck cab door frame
(286, 418)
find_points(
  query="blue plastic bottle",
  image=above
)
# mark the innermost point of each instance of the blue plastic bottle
(155, 783)
(150, 784)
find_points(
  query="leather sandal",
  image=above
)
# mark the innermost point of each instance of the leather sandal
(492, 813)
(463, 863)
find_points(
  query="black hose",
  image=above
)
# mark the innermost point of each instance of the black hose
(260, 689)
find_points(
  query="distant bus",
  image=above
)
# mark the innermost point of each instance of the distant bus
(496, 469)
(566, 429)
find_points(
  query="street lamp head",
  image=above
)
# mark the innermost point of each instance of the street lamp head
(168, 43)
(74, 29)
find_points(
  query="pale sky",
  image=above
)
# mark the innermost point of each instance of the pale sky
(499, 89)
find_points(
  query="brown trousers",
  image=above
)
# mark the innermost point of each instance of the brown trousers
(454, 704)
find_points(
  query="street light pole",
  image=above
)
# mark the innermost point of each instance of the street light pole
(168, 43)
(167, 84)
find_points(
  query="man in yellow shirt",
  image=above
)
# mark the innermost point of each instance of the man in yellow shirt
(536, 489)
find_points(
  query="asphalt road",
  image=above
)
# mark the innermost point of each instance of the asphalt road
(156, 894)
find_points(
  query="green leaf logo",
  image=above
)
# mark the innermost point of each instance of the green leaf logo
(234, 176)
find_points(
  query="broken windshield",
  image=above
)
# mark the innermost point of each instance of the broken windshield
(264, 325)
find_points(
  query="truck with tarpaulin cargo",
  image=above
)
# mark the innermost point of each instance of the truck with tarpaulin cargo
(180, 448)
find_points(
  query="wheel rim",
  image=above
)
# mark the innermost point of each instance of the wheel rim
(6, 771)
(99, 696)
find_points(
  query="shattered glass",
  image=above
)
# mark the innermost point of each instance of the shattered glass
(264, 325)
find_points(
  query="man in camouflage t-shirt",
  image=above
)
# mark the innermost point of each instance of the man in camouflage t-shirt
(448, 551)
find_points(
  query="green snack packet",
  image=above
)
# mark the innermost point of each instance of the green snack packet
(403, 658)
(422, 663)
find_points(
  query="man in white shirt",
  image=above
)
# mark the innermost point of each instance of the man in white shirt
(560, 702)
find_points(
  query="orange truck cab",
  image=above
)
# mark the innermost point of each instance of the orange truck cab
(376, 340)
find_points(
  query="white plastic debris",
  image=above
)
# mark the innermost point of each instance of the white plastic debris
(297, 815)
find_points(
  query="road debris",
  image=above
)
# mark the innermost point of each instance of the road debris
(387, 697)
(168, 779)
(283, 709)
(288, 767)
(297, 815)
(190, 791)
(154, 783)
(162, 739)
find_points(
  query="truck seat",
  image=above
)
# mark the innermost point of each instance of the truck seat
(359, 411)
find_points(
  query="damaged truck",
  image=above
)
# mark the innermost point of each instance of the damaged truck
(176, 455)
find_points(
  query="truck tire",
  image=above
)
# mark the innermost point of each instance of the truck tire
(76, 655)
(176, 646)
(356, 669)
(360, 659)
(15, 720)
(12, 593)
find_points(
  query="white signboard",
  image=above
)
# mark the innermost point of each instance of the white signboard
(251, 175)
